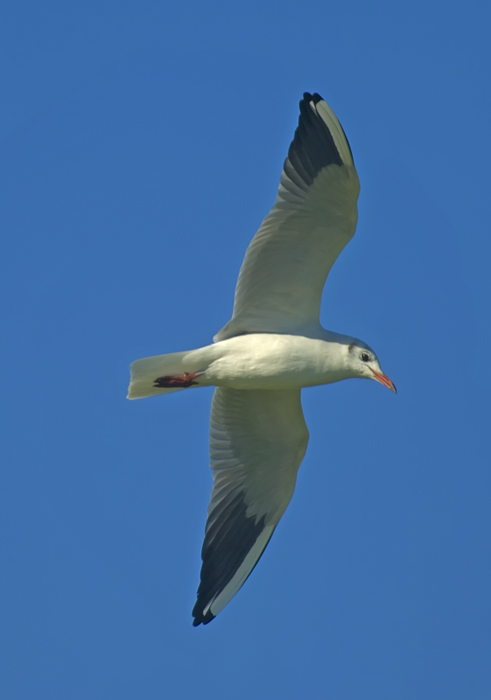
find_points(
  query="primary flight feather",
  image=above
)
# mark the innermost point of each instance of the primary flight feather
(272, 347)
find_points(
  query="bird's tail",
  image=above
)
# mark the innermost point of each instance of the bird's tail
(162, 374)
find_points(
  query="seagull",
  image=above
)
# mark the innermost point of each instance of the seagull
(271, 349)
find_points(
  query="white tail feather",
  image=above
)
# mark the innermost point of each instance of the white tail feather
(145, 372)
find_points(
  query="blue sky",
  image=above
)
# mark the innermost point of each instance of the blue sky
(141, 146)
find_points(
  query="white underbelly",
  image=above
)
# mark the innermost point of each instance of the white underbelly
(264, 361)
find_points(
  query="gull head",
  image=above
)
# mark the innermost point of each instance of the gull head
(363, 362)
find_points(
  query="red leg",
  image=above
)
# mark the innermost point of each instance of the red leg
(180, 381)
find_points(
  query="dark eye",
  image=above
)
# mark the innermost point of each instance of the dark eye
(365, 357)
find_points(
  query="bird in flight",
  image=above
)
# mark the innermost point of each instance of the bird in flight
(272, 348)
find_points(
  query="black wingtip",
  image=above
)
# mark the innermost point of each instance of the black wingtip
(314, 97)
(229, 536)
(200, 619)
(313, 147)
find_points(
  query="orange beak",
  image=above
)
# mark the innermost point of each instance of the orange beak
(384, 380)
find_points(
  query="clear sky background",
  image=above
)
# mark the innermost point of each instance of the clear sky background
(141, 146)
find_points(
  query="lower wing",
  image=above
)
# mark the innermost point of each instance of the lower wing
(257, 442)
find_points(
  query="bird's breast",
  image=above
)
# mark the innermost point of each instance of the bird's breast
(267, 361)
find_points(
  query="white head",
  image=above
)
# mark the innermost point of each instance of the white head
(363, 363)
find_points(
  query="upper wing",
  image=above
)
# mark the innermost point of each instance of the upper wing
(257, 442)
(285, 267)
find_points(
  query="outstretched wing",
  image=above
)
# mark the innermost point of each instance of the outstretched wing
(285, 267)
(257, 442)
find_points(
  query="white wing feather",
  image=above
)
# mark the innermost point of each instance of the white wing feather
(257, 442)
(285, 267)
